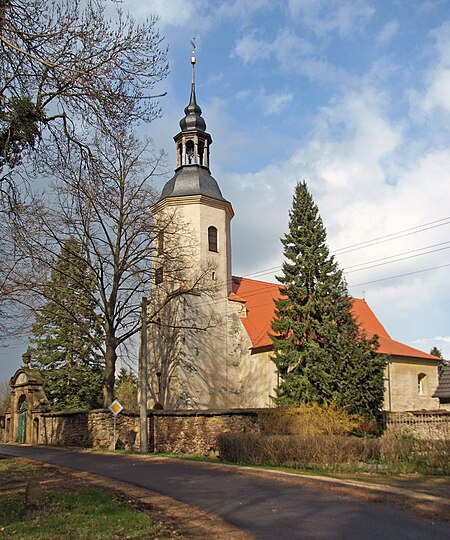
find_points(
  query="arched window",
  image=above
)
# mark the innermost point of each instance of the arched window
(212, 239)
(190, 152)
(201, 148)
(160, 242)
(159, 276)
(421, 384)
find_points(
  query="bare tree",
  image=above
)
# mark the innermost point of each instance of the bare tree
(64, 67)
(105, 204)
(5, 395)
(14, 321)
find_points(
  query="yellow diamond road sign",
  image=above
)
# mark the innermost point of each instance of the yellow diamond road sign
(115, 407)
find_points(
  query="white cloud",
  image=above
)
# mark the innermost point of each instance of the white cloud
(241, 8)
(388, 31)
(436, 94)
(286, 47)
(171, 13)
(441, 342)
(293, 55)
(241, 95)
(275, 103)
(251, 49)
(346, 17)
(442, 40)
(200, 14)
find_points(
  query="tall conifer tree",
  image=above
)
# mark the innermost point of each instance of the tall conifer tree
(67, 334)
(320, 353)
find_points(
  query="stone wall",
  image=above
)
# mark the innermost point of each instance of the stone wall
(424, 425)
(93, 429)
(185, 432)
(189, 432)
(196, 432)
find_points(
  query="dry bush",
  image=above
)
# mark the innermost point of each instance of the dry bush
(309, 420)
(297, 451)
(435, 456)
(394, 452)
(398, 447)
(310, 435)
(403, 451)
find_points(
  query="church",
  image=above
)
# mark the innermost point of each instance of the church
(210, 348)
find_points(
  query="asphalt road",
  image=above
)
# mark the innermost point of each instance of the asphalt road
(267, 508)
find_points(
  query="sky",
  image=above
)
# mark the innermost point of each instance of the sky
(351, 96)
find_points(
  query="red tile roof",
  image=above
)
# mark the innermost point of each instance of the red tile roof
(259, 296)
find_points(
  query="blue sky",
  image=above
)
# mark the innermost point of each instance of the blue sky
(354, 97)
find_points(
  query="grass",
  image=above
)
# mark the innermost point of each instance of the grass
(62, 510)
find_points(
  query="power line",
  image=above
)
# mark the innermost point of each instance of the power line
(369, 243)
(396, 260)
(398, 255)
(259, 290)
(400, 275)
(394, 236)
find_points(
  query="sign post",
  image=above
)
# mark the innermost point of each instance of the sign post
(115, 407)
(143, 380)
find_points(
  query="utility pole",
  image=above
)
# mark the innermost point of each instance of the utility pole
(143, 379)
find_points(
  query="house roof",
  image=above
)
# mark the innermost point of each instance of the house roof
(443, 389)
(259, 299)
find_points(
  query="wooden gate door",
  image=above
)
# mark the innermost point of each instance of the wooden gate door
(22, 429)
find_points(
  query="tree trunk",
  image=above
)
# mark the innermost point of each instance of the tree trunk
(110, 368)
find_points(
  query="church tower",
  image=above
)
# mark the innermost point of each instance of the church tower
(193, 264)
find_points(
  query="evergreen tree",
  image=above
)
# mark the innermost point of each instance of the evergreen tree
(67, 334)
(442, 364)
(320, 353)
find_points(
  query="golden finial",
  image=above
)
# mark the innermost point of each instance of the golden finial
(194, 46)
(193, 59)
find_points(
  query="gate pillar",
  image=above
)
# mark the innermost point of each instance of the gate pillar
(28, 401)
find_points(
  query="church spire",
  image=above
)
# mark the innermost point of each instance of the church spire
(193, 142)
(192, 175)
(193, 119)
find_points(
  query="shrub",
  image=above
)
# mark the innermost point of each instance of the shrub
(297, 451)
(403, 451)
(323, 436)
(309, 420)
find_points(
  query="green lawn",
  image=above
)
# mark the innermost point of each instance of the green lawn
(60, 509)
